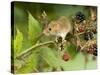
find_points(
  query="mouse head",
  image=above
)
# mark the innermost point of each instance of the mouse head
(52, 28)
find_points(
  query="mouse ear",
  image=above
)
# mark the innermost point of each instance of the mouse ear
(43, 19)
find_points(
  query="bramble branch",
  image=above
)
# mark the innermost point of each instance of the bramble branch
(32, 48)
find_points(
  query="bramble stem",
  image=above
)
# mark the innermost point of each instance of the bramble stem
(33, 47)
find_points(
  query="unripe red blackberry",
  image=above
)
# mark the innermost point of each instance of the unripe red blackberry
(93, 50)
(81, 29)
(66, 57)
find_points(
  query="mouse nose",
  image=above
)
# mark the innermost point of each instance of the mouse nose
(46, 32)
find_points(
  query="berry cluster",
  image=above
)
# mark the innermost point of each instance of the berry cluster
(93, 49)
(80, 17)
(86, 30)
(88, 35)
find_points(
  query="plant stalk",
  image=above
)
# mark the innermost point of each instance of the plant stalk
(32, 48)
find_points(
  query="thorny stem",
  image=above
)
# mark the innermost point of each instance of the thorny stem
(79, 33)
(32, 48)
(88, 43)
(86, 59)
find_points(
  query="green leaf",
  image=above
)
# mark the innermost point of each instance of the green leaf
(34, 28)
(78, 63)
(50, 57)
(18, 42)
(30, 65)
(72, 50)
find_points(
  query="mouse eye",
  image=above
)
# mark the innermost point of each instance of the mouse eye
(49, 29)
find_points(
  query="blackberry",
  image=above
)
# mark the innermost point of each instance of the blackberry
(80, 17)
(88, 36)
(59, 39)
(66, 57)
(94, 30)
(81, 29)
(95, 52)
(90, 50)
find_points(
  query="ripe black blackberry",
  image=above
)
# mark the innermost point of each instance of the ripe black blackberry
(80, 17)
(88, 35)
(95, 52)
(59, 39)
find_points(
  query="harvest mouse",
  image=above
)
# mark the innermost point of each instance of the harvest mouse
(60, 27)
